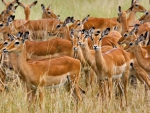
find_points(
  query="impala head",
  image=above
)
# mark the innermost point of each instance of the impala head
(27, 8)
(74, 40)
(84, 35)
(142, 29)
(78, 24)
(128, 36)
(145, 17)
(6, 13)
(7, 4)
(97, 38)
(133, 45)
(47, 12)
(121, 15)
(61, 28)
(136, 7)
(16, 44)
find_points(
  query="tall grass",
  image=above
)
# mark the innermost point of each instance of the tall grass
(58, 100)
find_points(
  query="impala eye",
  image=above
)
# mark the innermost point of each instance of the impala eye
(125, 35)
(131, 44)
(136, 5)
(78, 24)
(49, 12)
(146, 13)
(16, 43)
(5, 43)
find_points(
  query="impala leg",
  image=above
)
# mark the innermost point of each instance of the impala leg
(126, 76)
(87, 77)
(41, 96)
(110, 88)
(92, 78)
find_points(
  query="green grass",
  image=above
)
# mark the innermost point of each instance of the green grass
(60, 101)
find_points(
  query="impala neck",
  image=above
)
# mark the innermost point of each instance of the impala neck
(140, 58)
(99, 58)
(22, 61)
(66, 34)
(78, 54)
(124, 26)
(89, 57)
(132, 18)
(27, 13)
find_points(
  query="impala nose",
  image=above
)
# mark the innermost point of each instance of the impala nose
(95, 47)
(75, 48)
(4, 50)
(79, 43)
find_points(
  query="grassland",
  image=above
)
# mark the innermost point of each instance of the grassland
(59, 101)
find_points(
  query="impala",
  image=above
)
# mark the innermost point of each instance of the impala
(27, 9)
(145, 17)
(47, 13)
(111, 64)
(7, 4)
(40, 74)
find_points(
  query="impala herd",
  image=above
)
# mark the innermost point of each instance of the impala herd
(48, 52)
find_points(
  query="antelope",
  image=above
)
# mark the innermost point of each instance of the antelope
(7, 4)
(145, 18)
(7, 12)
(47, 13)
(135, 7)
(40, 74)
(55, 47)
(138, 51)
(108, 65)
(27, 9)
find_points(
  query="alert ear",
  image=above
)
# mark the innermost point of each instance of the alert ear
(119, 9)
(26, 35)
(11, 37)
(33, 4)
(85, 19)
(43, 7)
(67, 20)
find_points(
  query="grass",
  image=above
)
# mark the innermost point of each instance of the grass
(59, 101)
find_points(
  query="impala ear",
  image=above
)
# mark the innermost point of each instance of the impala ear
(10, 7)
(72, 19)
(67, 20)
(26, 35)
(19, 34)
(119, 9)
(85, 19)
(106, 31)
(146, 34)
(11, 37)
(43, 7)
(49, 7)
(72, 33)
(33, 4)
(10, 19)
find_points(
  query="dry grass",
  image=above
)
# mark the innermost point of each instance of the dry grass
(60, 101)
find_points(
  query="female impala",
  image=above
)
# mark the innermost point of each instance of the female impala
(111, 64)
(27, 9)
(47, 13)
(39, 74)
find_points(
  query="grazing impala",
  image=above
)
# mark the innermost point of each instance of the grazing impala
(27, 9)
(40, 74)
